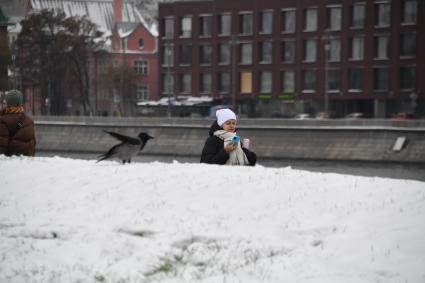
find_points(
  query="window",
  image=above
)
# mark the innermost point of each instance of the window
(142, 93)
(334, 51)
(382, 46)
(168, 27)
(357, 48)
(288, 51)
(245, 23)
(408, 44)
(206, 25)
(407, 78)
(186, 83)
(288, 21)
(224, 56)
(310, 49)
(334, 18)
(141, 43)
(246, 82)
(333, 80)
(167, 83)
(206, 82)
(381, 78)
(356, 79)
(168, 55)
(410, 11)
(185, 54)
(357, 15)
(266, 22)
(309, 80)
(310, 19)
(224, 82)
(288, 81)
(265, 49)
(141, 67)
(245, 53)
(383, 14)
(224, 22)
(186, 26)
(206, 54)
(123, 43)
(266, 82)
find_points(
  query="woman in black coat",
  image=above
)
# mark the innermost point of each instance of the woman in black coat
(219, 149)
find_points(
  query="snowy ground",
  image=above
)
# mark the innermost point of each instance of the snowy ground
(65, 220)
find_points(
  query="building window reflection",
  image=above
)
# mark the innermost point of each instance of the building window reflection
(186, 26)
(224, 22)
(246, 21)
(245, 53)
(266, 22)
(288, 20)
(357, 15)
(410, 11)
(383, 14)
(265, 82)
(265, 52)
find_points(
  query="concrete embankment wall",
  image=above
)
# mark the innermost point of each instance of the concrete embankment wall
(356, 140)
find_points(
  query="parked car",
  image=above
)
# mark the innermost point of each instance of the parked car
(355, 115)
(303, 116)
(404, 116)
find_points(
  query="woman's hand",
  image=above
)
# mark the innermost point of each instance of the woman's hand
(230, 147)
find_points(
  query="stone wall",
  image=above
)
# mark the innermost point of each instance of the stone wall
(360, 140)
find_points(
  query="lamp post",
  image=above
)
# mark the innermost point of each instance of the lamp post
(326, 40)
(413, 97)
(123, 65)
(168, 54)
(233, 44)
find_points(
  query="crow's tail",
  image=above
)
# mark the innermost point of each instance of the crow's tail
(102, 157)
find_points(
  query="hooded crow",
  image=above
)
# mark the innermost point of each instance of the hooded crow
(127, 149)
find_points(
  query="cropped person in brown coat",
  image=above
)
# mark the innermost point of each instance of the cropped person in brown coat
(16, 128)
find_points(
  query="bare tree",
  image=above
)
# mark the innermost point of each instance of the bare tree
(51, 47)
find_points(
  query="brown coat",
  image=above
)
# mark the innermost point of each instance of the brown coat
(23, 142)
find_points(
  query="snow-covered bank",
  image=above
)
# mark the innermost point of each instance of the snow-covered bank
(64, 220)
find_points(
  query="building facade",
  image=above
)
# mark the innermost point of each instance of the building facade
(121, 74)
(282, 57)
(128, 73)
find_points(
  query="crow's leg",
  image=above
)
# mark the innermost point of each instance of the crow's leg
(129, 161)
(123, 162)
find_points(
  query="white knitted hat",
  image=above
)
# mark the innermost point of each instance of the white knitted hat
(223, 115)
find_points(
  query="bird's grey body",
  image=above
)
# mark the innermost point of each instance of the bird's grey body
(127, 149)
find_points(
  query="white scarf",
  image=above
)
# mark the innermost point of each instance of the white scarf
(236, 157)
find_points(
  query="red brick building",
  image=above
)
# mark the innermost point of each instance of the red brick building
(131, 64)
(268, 56)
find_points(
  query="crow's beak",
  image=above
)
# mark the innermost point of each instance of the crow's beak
(151, 137)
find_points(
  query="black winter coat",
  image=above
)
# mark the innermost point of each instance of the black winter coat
(214, 153)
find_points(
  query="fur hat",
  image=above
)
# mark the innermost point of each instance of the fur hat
(224, 115)
(14, 98)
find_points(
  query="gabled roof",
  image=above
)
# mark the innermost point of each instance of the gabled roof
(98, 11)
(125, 29)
